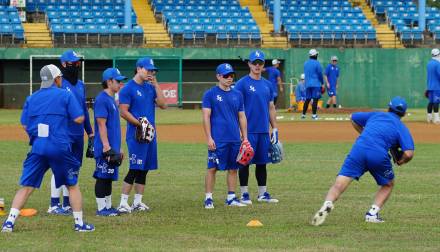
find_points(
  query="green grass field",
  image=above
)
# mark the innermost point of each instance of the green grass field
(178, 221)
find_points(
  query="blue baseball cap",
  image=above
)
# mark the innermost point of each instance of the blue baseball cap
(112, 73)
(224, 69)
(146, 63)
(398, 104)
(69, 56)
(256, 55)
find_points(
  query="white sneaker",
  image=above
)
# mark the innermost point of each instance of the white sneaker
(436, 118)
(373, 218)
(235, 202)
(429, 118)
(140, 207)
(209, 203)
(245, 199)
(320, 216)
(267, 198)
(124, 208)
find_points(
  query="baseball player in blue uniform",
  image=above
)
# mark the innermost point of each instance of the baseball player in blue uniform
(138, 98)
(260, 112)
(70, 65)
(379, 132)
(274, 76)
(300, 90)
(314, 83)
(331, 79)
(433, 86)
(45, 117)
(107, 140)
(223, 119)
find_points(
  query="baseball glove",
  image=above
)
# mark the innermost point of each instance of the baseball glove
(396, 153)
(144, 132)
(245, 154)
(112, 157)
(90, 153)
(426, 93)
(276, 152)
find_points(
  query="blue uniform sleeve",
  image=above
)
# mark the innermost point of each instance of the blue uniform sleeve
(327, 70)
(100, 109)
(24, 113)
(124, 96)
(361, 118)
(319, 72)
(87, 125)
(206, 101)
(406, 141)
(73, 108)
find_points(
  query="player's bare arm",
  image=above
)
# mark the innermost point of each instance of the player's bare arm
(273, 115)
(207, 127)
(280, 84)
(243, 125)
(102, 127)
(406, 157)
(160, 100)
(127, 115)
(79, 119)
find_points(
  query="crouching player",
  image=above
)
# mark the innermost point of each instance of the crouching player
(45, 117)
(379, 132)
(223, 118)
(108, 153)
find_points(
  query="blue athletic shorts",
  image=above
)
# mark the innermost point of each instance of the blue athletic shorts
(434, 96)
(313, 93)
(331, 92)
(224, 157)
(361, 160)
(78, 148)
(104, 171)
(261, 144)
(59, 158)
(142, 156)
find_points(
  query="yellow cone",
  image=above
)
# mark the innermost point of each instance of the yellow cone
(254, 223)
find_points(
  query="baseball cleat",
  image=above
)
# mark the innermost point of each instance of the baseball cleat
(429, 118)
(84, 228)
(320, 216)
(123, 209)
(234, 202)
(267, 198)
(57, 210)
(68, 210)
(303, 116)
(373, 218)
(245, 199)
(140, 207)
(7, 227)
(107, 212)
(314, 117)
(209, 203)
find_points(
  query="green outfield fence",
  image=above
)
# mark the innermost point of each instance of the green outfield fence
(369, 76)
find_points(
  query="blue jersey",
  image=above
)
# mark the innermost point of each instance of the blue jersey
(79, 91)
(225, 106)
(46, 114)
(300, 92)
(433, 75)
(382, 130)
(106, 107)
(141, 99)
(332, 73)
(313, 73)
(273, 74)
(257, 95)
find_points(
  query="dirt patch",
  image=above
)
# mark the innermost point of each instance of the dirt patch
(290, 132)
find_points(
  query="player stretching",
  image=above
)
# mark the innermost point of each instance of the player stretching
(379, 132)
(108, 152)
(70, 65)
(45, 117)
(138, 99)
(223, 118)
(260, 111)
(433, 86)
(314, 83)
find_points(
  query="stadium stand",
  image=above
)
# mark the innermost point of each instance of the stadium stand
(208, 22)
(11, 28)
(88, 22)
(324, 22)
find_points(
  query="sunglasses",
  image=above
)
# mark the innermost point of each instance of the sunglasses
(76, 63)
(229, 75)
(257, 62)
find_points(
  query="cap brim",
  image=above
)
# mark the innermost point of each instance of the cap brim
(121, 77)
(226, 72)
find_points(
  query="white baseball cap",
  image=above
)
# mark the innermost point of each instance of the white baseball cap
(275, 61)
(48, 74)
(435, 52)
(303, 76)
(334, 58)
(313, 52)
